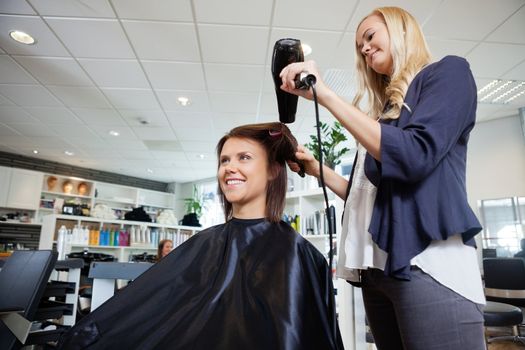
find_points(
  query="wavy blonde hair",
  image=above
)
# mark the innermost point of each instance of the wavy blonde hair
(410, 54)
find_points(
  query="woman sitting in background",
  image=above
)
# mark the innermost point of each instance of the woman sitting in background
(165, 247)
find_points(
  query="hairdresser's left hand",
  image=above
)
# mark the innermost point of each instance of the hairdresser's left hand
(289, 73)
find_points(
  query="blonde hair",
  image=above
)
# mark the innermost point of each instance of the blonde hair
(410, 54)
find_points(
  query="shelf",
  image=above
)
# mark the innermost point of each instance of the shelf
(18, 223)
(115, 200)
(306, 193)
(317, 236)
(61, 194)
(112, 247)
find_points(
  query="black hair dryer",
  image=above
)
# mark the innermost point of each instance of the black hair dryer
(285, 51)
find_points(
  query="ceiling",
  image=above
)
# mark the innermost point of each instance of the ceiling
(113, 65)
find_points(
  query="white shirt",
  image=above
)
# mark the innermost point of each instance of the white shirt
(450, 262)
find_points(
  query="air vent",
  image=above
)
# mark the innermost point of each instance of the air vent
(341, 81)
(501, 91)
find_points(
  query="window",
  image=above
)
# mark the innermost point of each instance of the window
(503, 224)
(212, 213)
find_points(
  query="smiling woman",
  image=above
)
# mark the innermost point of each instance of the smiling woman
(251, 283)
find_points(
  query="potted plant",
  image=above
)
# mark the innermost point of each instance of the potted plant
(331, 137)
(194, 206)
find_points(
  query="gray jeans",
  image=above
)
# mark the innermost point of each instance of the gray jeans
(420, 314)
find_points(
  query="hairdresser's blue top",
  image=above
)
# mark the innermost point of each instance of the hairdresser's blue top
(421, 193)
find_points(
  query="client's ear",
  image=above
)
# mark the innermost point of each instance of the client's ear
(273, 171)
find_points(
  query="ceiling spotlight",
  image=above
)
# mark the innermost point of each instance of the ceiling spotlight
(183, 101)
(307, 49)
(114, 133)
(69, 153)
(202, 156)
(35, 151)
(21, 37)
(149, 171)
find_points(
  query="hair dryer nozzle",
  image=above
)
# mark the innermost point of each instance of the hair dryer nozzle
(285, 51)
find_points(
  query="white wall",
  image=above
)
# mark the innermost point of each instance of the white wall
(496, 160)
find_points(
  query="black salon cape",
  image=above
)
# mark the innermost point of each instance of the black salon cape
(245, 284)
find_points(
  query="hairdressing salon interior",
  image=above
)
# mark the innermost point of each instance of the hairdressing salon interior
(110, 112)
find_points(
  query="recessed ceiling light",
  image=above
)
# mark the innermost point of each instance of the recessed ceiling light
(69, 153)
(500, 91)
(35, 151)
(114, 133)
(307, 49)
(21, 37)
(183, 101)
(149, 171)
(202, 156)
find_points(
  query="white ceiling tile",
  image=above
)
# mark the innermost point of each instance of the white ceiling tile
(457, 20)
(29, 95)
(224, 102)
(220, 44)
(55, 70)
(169, 156)
(441, 48)
(167, 10)
(198, 146)
(5, 102)
(14, 114)
(89, 143)
(136, 117)
(16, 7)
(101, 116)
(344, 54)
(80, 96)
(53, 115)
(517, 73)
(5, 130)
(163, 41)
(16, 141)
(189, 120)
(115, 73)
(132, 98)
(130, 144)
(125, 132)
(224, 122)
(136, 155)
(97, 38)
(33, 129)
(154, 133)
(512, 30)
(234, 78)
(77, 131)
(195, 134)
(175, 75)
(323, 44)
(483, 57)
(46, 42)
(248, 12)
(94, 8)
(198, 100)
(11, 72)
(313, 14)
(50, 142)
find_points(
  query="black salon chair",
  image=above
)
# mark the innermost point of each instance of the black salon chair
(505, 292)
(23, 281)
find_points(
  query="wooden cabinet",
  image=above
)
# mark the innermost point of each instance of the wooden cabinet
(20, 188)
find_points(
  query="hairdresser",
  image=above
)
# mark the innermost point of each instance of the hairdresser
(408, 231)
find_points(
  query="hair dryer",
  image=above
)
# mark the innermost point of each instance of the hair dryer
(285, 51)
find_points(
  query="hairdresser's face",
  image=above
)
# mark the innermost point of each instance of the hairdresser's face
(243, 176)
(166, 249)
(373, 41)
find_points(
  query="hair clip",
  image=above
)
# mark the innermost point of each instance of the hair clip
(275, 133)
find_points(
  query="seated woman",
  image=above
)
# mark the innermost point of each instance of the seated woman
(165, 247)
(250, 283)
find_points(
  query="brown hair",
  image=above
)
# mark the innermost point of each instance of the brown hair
(161, 247)
(410, 54)
(280, 145)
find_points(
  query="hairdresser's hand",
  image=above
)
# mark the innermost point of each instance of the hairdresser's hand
(289, 73)
(311, 165)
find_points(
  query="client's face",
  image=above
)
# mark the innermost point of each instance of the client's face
(243, 177)
(166, 249)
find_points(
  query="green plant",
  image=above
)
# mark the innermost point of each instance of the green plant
(331, 137)
(195, 204)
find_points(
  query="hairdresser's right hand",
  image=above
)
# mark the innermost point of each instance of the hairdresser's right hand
(289, 73)
(311, 165)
